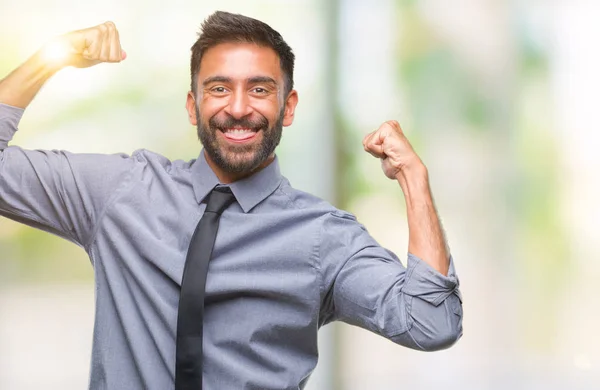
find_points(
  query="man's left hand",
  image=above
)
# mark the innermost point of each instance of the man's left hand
(390, 144)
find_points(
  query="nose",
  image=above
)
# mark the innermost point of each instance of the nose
(238, 105)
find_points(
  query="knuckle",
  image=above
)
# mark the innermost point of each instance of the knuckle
(393, 124)
(100, 32)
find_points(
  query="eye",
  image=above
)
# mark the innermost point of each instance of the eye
(218, 90)
(260, 91)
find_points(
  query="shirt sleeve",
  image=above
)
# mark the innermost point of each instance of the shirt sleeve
(60, 192)
(366, 285)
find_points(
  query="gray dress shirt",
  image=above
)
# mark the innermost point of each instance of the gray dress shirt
(285, 263)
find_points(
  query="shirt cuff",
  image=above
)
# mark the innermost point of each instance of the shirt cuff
(9, 121)
(425, 282)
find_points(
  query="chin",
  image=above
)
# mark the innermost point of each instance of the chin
(240, 163)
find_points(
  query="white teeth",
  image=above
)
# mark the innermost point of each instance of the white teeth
(238, 131)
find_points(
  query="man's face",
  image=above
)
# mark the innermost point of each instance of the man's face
(239, 108)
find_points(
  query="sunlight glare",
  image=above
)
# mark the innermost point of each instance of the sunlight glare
(56, 52)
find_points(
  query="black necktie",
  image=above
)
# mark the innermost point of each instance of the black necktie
(188, 369)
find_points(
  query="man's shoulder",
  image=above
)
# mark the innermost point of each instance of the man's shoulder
(302, 200)
(158, 160)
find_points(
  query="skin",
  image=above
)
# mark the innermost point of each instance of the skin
(82, 49)
(244, 82)
(400, 162)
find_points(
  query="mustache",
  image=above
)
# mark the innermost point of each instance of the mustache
(230, 121)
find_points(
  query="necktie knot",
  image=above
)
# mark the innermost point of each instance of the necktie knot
(219, 199)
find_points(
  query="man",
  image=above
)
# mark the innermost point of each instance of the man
(284, 262)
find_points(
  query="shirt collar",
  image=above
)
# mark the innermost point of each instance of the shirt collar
(248, 192)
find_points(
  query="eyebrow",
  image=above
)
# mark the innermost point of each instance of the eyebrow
(261, 79)
(251, 80)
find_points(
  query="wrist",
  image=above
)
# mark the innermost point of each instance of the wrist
(415, 171)
(54, 55)
(414, 181)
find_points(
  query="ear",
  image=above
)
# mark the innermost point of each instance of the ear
(290, 107)
(190, 105)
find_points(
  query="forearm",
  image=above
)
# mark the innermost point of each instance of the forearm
(20, 87)
(426, 236)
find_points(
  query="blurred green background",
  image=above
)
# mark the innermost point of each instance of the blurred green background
(497, 96)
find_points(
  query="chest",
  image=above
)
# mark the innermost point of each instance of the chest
(264, 256)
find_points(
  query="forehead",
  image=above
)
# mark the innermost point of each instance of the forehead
(239, 61)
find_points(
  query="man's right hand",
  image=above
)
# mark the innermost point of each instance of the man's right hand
(85, 48)
(81, 48)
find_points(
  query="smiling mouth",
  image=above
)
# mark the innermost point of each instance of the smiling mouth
(238, 134)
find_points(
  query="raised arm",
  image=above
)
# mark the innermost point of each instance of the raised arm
(418, 306)
(56, 191)
(81, 48)
(400, 162)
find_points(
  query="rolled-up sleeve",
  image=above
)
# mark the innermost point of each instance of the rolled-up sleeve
(367, 285)
(435, 312)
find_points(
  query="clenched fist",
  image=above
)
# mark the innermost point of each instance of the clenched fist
(87, 47)
(390, 144)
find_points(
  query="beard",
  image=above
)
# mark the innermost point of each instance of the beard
(239, 159)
